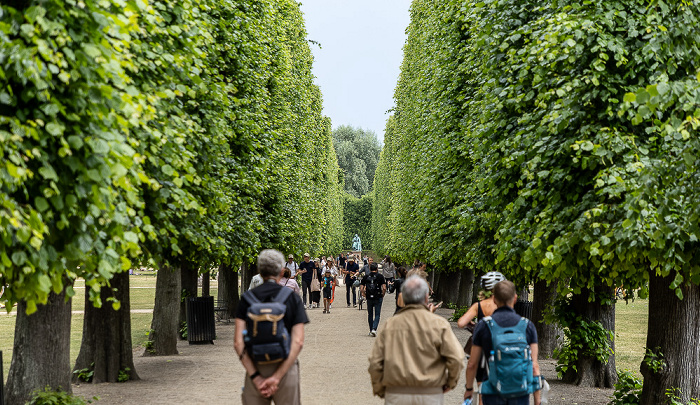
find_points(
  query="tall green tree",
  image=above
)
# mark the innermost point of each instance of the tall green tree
(358, 154)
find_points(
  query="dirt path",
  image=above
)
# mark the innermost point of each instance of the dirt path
(333, 368)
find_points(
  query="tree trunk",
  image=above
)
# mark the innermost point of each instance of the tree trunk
(41, 352)
(228, 289)
(589, 371)
(162, 341)
(432, 282)
(206, 284)
(188, 288)
(106, 347)
(247, 273)
(476, 288)
(466, 284)
(673, 331)
(450, 287)
(550, 336)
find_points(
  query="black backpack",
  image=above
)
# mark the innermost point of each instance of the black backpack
(266, 337)
(373, 288)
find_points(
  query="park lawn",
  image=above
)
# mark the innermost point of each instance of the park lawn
(631, 334)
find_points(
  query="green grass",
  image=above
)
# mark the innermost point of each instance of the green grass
(142, 297)
(630, 334)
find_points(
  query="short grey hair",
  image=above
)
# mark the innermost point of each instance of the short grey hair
(270, 263)
(414, 290)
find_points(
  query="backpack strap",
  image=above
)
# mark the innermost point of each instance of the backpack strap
(251, 298)
(282, 295)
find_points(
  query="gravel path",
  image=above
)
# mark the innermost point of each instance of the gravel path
(333, 368)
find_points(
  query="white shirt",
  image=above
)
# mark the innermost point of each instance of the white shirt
(292, 267)
(256, 281)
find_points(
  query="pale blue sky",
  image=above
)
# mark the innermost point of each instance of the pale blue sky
(358, 63)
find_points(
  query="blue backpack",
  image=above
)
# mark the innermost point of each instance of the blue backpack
(266, 337)
(510, 362)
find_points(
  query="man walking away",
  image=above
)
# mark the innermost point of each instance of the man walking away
(417, 357)
(306, 269)
(267, 381)
(373, 288)
(505, 318)
(351, 271)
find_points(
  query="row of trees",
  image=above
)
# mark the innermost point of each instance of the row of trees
(557, 144)
(180, 134)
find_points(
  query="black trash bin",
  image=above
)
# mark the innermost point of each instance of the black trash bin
(200, 320)
(2, 383)
(524, 308)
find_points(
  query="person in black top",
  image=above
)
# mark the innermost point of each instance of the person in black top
(373, 288)
(305, 269)
(351, 270)
(341, 261)
(279, 381)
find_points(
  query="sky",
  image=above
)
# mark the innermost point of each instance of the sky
(359, 61)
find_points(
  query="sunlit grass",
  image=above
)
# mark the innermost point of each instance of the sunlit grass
(631, 334)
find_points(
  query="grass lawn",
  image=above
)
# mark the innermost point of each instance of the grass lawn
(142, 297)
(631, 334)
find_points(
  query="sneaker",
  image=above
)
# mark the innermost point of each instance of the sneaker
(348, 305)
(370, 333)
(324, 311)
(354, 305)
(373, 333)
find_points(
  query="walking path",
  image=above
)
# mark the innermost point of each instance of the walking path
(333, 367)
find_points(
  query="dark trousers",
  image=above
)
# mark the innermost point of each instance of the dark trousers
(306, 285)
(374, 310)
(348, 287)
(497, 400)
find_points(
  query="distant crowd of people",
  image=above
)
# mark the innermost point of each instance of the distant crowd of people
(416, 357)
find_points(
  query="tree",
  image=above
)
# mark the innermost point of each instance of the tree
(358, 154)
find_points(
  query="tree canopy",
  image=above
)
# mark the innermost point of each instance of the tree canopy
(358, 153)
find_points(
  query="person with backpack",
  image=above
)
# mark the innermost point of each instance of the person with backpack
(373, 288)
(509, 342)
(350, 272)
(269, 336)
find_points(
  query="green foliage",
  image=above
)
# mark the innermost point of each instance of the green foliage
(60, 397)
(628, 389)
(459, 311)
(124, 375)
(357, 219)
(183, 330)
(674, 398)
(162, 131)
(358, 153)
(654, 360)
(581, 338)
(85, 374)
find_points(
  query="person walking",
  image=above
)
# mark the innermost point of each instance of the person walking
(350, 272)
(388, 270)
(316, 276)
(279, 381)
(327, 284)
(373, 288)
(292, 265)
(287, 281)
(504, 317)
(396, 285)
(306, 269)
(417, 357)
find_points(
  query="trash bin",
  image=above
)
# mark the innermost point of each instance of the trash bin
(200, 320)
(524, 308)
(2, 382)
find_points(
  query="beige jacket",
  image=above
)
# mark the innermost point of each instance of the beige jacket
(416, 348)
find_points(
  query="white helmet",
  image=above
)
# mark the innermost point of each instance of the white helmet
(490, 279)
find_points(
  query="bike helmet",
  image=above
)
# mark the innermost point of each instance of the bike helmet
(490, 279)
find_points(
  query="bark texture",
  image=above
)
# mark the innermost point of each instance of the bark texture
(41, 353)
(466, 284)
(106, 346)
(550, 336)
(674, 331)
(247, 272)
(188, 287)
(228, 289)
(589, 371)
(162, 341)
(206, 284)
